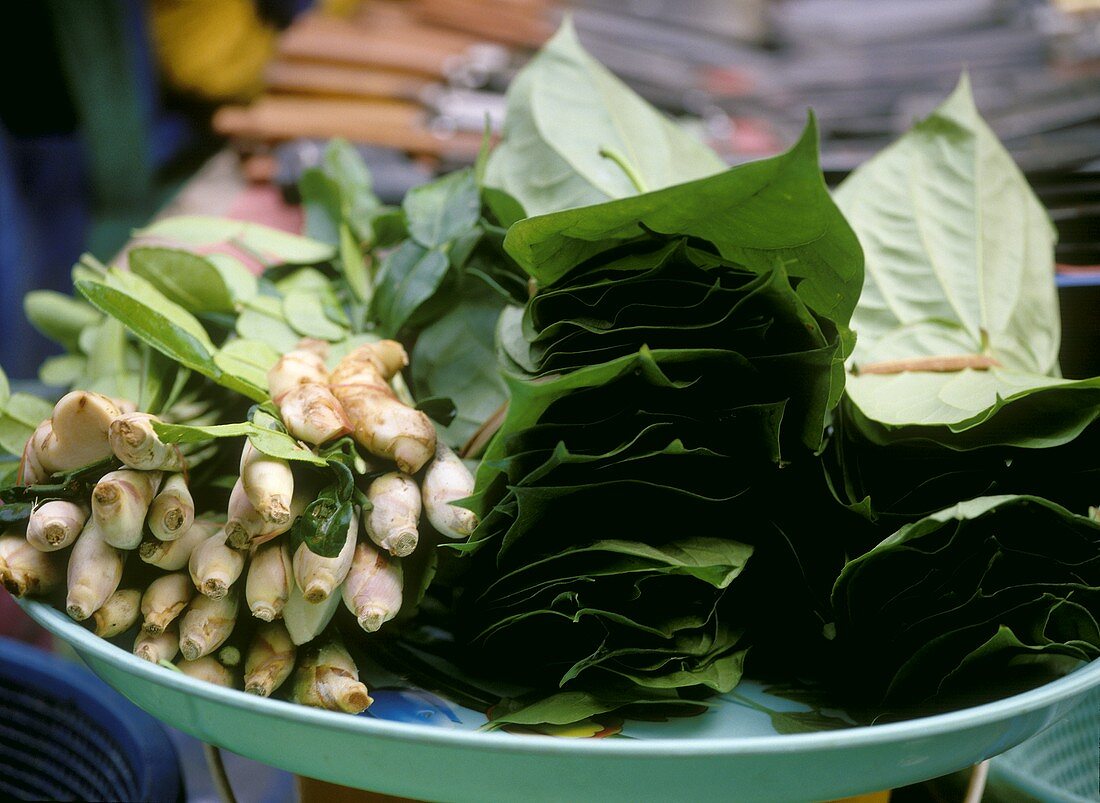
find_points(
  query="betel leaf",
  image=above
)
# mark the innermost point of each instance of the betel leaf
(575, 135)
(769, 213)
(21, 414)
(959, 264)
(189, 279)
(931, 602)
(270, 245)
(455, 357)
(409, 277)
(443, 209)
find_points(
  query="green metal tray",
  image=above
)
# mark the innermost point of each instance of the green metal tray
(414, 744)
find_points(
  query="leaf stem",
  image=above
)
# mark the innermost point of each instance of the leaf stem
(611, 153)
(946, 364)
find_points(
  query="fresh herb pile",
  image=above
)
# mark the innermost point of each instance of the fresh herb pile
(749, 427)
(241, 453)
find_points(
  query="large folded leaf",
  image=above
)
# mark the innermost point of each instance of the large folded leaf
(574, 135)
(762, 215)
(959, 262)
(933, 601)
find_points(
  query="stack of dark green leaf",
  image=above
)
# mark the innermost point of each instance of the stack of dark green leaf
(958, 437)
(680, 351)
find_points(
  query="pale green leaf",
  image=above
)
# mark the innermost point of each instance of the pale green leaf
(410, 276)
(304, 310)
(271, 245)
(161, 323)
(239, 280)
(454, 357)
(59, 317)
(355, 267)
(263, 320)
(249, 360)
(268, 441)
(442, 210)
(22, 413)
(959, 261)
(564, 110)
(61, 371)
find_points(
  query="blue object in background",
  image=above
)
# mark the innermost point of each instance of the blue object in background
(83, 132)
(65, 734)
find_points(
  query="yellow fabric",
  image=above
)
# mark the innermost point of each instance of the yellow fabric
(215, 49)
(340, 8)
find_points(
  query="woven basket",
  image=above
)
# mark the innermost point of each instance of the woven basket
(1060, 764)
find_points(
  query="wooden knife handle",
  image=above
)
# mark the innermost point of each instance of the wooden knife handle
(389, 124)
(339, 79)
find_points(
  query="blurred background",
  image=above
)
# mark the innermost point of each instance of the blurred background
(115, 109)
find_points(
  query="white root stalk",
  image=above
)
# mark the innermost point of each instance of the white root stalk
(270, 576)
(125, 406)
(312, 414)
(305, 620)
(268, 483)
(95, 570)
(164, 600)
(447, 480)
(56, 524)
(393, 521)
(380, 422)
(26, 571)
(328, 678)
(175, 555)
(31, 471)
(245, 527)
(298, 367)
(207, 668)
(118, 613)
(313, 345)
(230, 656)
(135, 442)
(172, 511)
(120, 503)
(270, 659)
(157, 647)
(318, 577)
(206, 624)
(215, 567)
(78, 433)
(373, 588)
